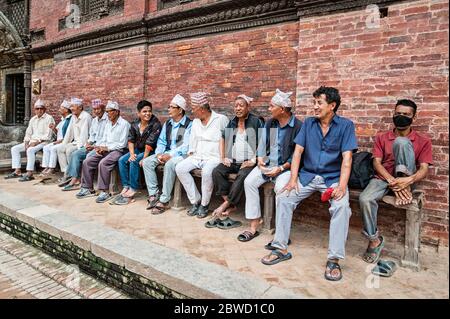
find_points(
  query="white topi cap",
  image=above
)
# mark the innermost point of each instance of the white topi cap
(112, 105)
(180, 101)
(282, 99)
(39, 104)
(76, 101)
(65, 104)
(246, 98)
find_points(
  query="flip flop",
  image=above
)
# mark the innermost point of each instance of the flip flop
(247, 236)
(229, 223)
(384, 268)
(332, 266)
(69, 187)
(280, 257)
(372, 255)
(13, 175)
(270, 247)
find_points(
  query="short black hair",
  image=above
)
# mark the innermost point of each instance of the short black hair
(143, 104)
(331, 94)
(406, 102)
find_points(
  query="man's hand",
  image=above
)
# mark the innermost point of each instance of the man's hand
(164, 158)
(339, 192)
(401, 183)
(247, 164)
(403, 197)
(132, 157)
(32, 144)
(52, 126)
(141, 162)
(273, 172)
(101, 149)
(292, 184)
(227, 162)
(89, 147)
(261, 162)
(57, 142)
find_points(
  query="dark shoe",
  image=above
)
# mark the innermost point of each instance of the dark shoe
(26, 178)
(202, 211)
(329, 269)
(228, 223)
(384, 268)
(372, 255)
(152, 200)
(84, 193)
(247, 236)
(270, 247)
(63, 181)
(193, 210)
(280, 257)
(160, 208)
(103, 197)
(212, 223)
(13, 175)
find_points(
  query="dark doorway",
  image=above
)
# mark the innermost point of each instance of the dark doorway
(15, 99)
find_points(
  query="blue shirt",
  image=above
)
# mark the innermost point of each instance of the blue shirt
(174, 150)
(323, 155)
(275, 155)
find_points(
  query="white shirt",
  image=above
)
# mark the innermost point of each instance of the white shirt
(241, 149)
(78, 131)
(97, 128)
(115, 136)
(38, 129)
(204, 142)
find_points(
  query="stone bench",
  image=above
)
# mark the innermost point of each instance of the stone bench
(410, 257)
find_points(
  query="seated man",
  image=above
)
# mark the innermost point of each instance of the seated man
(50, 157)
(204, 153)
(274, 157)
(107, 153)
(142, 140)
(76, 137)
(37, 135)
(98, 124)
(173, 144)
(238, 151)
(326, 142)
(400, 158)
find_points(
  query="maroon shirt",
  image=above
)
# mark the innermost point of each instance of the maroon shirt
(383, 149)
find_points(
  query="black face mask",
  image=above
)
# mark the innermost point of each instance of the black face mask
(401, 121)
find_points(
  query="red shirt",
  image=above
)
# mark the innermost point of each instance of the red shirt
(383, 149)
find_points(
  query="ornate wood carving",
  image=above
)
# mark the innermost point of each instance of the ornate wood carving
(165, 4)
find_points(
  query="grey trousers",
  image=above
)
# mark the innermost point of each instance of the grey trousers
(405, 163)
(105, 164)
(286, 203)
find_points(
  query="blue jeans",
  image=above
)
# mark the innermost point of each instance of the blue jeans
(405, 163)
(130, 171)
(150, 164)
(76, 159)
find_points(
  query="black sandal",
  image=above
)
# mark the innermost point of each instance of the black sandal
(228, 223)
(247, 236)
(330, 267)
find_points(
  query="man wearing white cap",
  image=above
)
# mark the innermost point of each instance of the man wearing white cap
(142, 140)
(204, 153)
(76, 137)
(100, 118)
(274, 157)
(172, 148)
(238, 152)
(50, 157)
(37, 135)
(107, 153)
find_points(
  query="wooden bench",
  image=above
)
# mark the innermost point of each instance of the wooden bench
(410, 257)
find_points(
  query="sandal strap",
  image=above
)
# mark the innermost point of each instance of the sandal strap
(332, 266)
(246, 234)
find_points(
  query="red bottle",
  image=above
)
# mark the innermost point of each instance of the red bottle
(326, 196)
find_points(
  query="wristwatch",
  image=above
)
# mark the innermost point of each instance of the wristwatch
(282, 168)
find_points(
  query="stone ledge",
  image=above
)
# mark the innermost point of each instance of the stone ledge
(140, 268)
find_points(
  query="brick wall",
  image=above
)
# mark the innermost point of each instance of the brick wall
(254, 62)
(405, 57)
(110, 75)
(40, 18)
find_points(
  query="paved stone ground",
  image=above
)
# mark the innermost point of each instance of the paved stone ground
(27, 273)
(303, 274)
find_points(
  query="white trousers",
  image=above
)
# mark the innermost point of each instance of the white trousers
(183, 170)
(50, 156)
(31, 155)
(64, 153)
